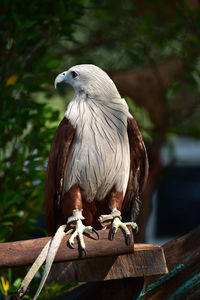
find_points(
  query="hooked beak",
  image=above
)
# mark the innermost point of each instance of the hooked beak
(62, 77)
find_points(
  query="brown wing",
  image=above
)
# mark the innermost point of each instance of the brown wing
(138, 170)
(55, 169)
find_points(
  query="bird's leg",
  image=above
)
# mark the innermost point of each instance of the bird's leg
(114, 218)
(117, 223)
(107, 220)
(75, 222)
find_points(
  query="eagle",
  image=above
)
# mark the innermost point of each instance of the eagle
(98, 163)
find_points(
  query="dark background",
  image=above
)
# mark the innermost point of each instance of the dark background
(151, 51)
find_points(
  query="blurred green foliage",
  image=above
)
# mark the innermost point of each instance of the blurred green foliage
(41, 38)
(30, 32)
(9, 286)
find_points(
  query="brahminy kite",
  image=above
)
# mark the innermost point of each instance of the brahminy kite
(98, 163)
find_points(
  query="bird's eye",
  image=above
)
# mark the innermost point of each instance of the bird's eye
(74, 74)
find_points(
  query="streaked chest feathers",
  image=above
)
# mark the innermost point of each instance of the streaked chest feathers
(99, 158)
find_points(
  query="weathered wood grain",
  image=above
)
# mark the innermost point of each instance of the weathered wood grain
(146, 260)
(116, 268)
(23, 253)
(182, 282)
(115, 258)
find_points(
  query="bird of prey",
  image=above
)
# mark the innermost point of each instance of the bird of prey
(98, 163)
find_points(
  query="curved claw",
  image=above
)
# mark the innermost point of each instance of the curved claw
(112, 233)
(94, 230)
(83, 250)
(70, 245)
(128, 239)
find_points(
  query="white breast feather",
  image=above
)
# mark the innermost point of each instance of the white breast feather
(100, 157)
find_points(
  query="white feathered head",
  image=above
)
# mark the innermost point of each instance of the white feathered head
(91, 80)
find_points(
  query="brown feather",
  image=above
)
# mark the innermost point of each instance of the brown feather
(138, 170)
(55, 170)
(58, 209)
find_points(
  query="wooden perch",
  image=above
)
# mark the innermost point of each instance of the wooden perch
(182, 282)
(146, 260)
(117, 268)
(117, 260)
(23, 253)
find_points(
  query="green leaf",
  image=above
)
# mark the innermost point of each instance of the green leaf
(17, 282)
